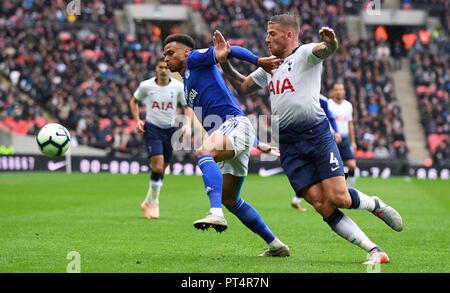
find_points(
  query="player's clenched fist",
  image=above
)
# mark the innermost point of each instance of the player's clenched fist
(327, 35)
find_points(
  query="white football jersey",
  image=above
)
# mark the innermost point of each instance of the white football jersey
(160, 101)
(295, 88)
(343, 113)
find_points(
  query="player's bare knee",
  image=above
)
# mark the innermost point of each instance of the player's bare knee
(158, 169)
(318, 206)
(341, 199)
(323, 207)
(318, 202)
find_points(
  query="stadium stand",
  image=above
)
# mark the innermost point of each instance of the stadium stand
(430, 65)
(84, 71)
(18, 114)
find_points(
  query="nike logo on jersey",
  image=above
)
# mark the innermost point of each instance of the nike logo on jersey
(286, 85)
(334, 169)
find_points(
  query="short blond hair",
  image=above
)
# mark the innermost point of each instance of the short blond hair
(286, 20)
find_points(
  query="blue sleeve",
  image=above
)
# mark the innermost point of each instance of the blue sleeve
(324, 105)
(206, 57)
(243, 54)
(201, 57)
(256, 142)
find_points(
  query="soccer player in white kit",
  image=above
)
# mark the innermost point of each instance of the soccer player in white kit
(343, 114)
(160, 95)
(309, 155)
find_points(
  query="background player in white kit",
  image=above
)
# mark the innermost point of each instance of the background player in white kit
(309, 155)
(343, 114)
(160, 95)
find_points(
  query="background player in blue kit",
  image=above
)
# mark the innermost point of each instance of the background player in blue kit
(160, 95)
(231, 134)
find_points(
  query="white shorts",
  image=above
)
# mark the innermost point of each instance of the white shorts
(241, 134)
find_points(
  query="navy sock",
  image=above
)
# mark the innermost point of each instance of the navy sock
(355, 198)
(334, 218)
(212, 179)
(252, 219)
(156, 176)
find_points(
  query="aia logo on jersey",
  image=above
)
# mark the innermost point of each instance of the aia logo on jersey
(162, 106)
(281, 87)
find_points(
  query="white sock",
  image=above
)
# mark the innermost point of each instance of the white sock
(366, 202)
(153, 192)
(348, 230)
(296, 199)
(351, 180)
(275, 244)
(216, 211)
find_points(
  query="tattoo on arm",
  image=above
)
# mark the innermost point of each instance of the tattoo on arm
(233, 76)
(323, 50)
(232, 73)
(243, 84)
(251, 87)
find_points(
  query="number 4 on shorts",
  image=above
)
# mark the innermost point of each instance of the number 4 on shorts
(333, 159)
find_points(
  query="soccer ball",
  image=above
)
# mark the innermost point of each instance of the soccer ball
(53, 140)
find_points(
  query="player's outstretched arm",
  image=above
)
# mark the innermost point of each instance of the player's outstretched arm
(243, 84)
(329, 43)
(224, 51)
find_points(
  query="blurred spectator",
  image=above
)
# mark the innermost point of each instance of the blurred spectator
(383, 50)
(442, 152)
(397, 53)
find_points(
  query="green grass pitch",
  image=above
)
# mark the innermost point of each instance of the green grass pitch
(44, 216)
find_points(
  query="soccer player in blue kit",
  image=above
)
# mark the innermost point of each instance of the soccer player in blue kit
(309, 154)
(224, 155)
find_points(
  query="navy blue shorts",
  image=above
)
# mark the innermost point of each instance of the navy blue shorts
(158, 141)
(311, 158)
(345, 149)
